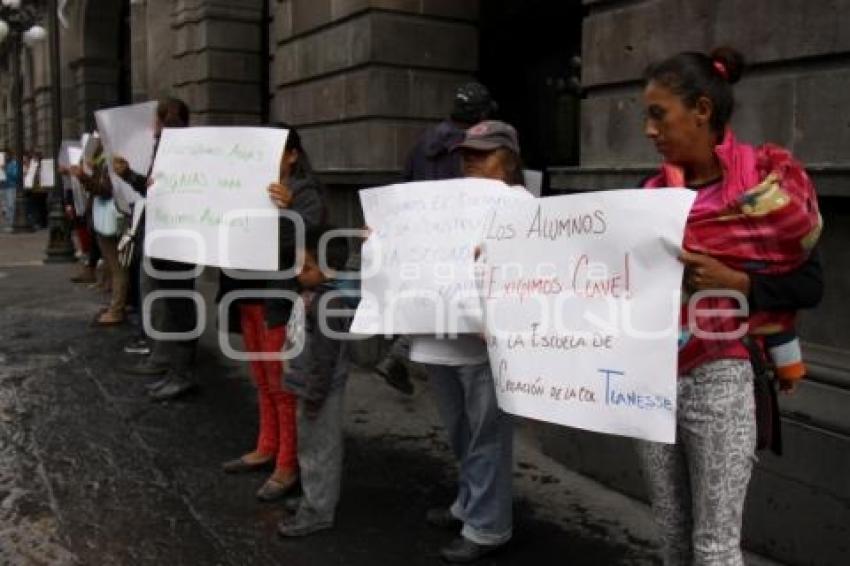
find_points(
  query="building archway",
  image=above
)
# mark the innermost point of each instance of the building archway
(102, 74)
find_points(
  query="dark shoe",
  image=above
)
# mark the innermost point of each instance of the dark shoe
(464, 551)
(395, 374)
(138, 346)
(109, 318)
(240, 466)
(293, 527)
(159, 383)
(442, 518)
(146, 367)
(175, 388)
(291, 504)
(273, 489)
(85, 275)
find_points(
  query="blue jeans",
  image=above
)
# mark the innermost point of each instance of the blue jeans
(9, 205)
(481, 437)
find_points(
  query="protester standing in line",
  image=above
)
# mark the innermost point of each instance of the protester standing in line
(756, 211)
(172, 360)
(106, 227)
(262, 323)
(318, 376)
(433, 159)
(170, 113)
(480, 433)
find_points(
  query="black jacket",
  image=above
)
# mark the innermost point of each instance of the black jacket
(798, 289)
(432, 159)
(322, 364)
(309, 203)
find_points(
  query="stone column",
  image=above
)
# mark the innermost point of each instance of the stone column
(218, 56)
(96, 83)
(363, 78)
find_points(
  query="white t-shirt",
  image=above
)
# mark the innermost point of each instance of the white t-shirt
(465, 350)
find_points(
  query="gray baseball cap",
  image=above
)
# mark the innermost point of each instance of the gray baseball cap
(490, 135)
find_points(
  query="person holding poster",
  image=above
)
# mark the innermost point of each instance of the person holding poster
(756, 210)
(171, 360)
(105, 222)
(480, 434)
(318, 374)
(170, 113)
(262, 323)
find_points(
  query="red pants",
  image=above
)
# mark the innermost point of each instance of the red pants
(85, 238)
(277, 406)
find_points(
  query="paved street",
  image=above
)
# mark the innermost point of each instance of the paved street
(93, 473)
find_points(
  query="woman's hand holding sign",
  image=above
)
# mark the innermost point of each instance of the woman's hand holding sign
(704, 273)
(280, 195)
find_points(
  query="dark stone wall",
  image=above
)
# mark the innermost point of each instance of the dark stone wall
(362, 79)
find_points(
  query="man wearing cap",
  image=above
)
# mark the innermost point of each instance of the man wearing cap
(433, 159)
(461, 380)
(490, 150)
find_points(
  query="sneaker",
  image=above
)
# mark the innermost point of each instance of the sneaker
(159, 383)
(464, 551)
(178, 386)
(293, 527)
(139, 346)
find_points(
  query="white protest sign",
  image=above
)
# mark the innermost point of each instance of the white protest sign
(418, 263)
(581, 297)
(209, 203)
(89, 144)
(63, 156)
(47, 174)
(75, 154)
(128, 132)
(29, 175)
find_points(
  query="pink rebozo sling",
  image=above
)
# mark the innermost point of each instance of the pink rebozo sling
(766, 221)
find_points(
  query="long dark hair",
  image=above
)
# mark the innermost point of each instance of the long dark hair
(303, 168)
(173, 113)
(691, 75)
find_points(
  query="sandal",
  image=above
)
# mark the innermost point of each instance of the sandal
(240, 466)
(275, 489)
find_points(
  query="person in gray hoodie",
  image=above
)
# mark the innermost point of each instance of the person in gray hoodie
(317, 375)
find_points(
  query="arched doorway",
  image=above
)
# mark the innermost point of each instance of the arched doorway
(102, 73)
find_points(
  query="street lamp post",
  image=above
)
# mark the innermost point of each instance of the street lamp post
(59, 246)
(18, 23)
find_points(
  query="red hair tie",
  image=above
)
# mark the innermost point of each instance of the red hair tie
(721, 70)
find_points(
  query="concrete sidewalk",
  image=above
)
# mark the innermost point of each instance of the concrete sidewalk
(93, 473)
(25, 249)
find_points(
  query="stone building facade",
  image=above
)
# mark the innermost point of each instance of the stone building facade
(362, 78)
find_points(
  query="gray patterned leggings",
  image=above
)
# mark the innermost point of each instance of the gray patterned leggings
(699, 484)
